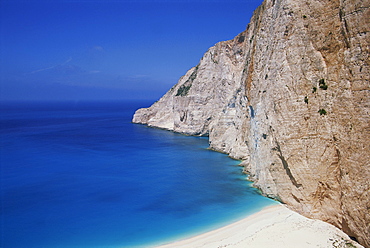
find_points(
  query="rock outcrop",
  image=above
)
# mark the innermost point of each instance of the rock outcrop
(290, 97)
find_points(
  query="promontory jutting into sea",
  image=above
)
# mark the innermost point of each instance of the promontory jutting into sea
(264, 143)
(289, 96)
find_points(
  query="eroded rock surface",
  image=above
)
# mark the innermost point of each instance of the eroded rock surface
(290, 96)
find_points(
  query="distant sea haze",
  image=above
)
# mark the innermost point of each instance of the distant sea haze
(82, 175)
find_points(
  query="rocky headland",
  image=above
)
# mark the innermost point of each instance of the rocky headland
(290, 97)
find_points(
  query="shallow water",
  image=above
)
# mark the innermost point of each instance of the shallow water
(82, 175)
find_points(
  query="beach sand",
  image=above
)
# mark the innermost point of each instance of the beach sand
(275, 226)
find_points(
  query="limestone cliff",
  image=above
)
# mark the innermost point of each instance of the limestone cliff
(290, 96)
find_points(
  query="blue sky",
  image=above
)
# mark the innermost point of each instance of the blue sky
(108, 50)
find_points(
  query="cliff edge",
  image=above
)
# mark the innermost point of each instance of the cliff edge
(290, 97)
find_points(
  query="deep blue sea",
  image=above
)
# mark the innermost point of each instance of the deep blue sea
(82, 175)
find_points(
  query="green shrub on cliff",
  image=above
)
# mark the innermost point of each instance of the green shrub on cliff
(322, 84)
(322, 112)
(183, 90)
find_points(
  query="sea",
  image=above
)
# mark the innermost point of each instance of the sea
(81, 174)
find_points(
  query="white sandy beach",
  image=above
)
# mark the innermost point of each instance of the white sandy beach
(275, 226)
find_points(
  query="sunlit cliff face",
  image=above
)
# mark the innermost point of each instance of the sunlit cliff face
(290, 97)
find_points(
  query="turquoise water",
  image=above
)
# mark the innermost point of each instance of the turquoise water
(82, 175)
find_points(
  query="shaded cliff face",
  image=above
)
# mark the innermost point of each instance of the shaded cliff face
(290, 96)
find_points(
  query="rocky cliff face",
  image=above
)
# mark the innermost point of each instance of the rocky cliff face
(290, 97)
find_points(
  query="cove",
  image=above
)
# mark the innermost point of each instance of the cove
(82, 175)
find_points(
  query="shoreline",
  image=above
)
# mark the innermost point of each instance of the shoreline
(273, 226)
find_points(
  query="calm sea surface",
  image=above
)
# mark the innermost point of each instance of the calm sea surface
(82, 175)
